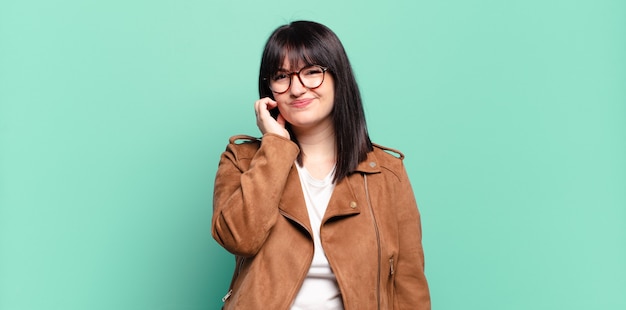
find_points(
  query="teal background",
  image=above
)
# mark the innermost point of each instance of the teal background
(113, 114)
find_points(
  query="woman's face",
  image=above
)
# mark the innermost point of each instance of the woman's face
(306, 108)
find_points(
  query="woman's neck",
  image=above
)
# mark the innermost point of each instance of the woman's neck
(319, 150)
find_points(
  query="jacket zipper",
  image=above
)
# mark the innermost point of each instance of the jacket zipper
(235, 276)
(230, 292)
(369, 204)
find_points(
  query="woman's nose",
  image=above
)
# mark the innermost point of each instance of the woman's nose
(297, 88)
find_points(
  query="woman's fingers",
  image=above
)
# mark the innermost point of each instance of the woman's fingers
(262, 107)
(265, 121)
(271, 104)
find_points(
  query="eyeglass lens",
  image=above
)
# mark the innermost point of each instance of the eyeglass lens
(310, 77)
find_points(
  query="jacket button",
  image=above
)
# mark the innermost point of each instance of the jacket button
(353, 205)
(372, 164)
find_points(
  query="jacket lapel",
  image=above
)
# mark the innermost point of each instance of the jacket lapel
(345, 199)
(292, 202)
(343, 202)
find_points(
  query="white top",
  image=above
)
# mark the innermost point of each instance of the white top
(319, 290)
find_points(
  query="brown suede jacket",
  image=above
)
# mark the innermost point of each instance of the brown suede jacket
(371, 231)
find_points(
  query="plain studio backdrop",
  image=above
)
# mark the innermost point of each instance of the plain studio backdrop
(113, 114)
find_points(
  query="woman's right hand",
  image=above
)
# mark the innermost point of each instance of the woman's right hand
(265, 121)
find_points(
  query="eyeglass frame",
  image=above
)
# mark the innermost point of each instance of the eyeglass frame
(297, 73)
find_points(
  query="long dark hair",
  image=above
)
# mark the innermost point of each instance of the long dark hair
(314, 43)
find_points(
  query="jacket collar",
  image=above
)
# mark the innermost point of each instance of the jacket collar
(369, 165)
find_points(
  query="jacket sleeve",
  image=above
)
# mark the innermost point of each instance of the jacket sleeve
(410, 283)
(247, 193)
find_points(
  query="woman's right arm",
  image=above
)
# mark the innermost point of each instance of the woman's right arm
(248, 189)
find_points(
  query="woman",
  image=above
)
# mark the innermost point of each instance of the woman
(317, 216)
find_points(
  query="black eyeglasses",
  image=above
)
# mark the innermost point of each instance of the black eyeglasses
(310, 77)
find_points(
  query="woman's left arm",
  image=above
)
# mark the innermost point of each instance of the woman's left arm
(411, 286)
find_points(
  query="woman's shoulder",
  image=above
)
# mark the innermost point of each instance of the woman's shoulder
(389, 159)
(243, 145)
(245, 140)
(247, 146)
(388, 152)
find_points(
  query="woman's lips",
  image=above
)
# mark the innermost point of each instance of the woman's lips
(301, 103)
